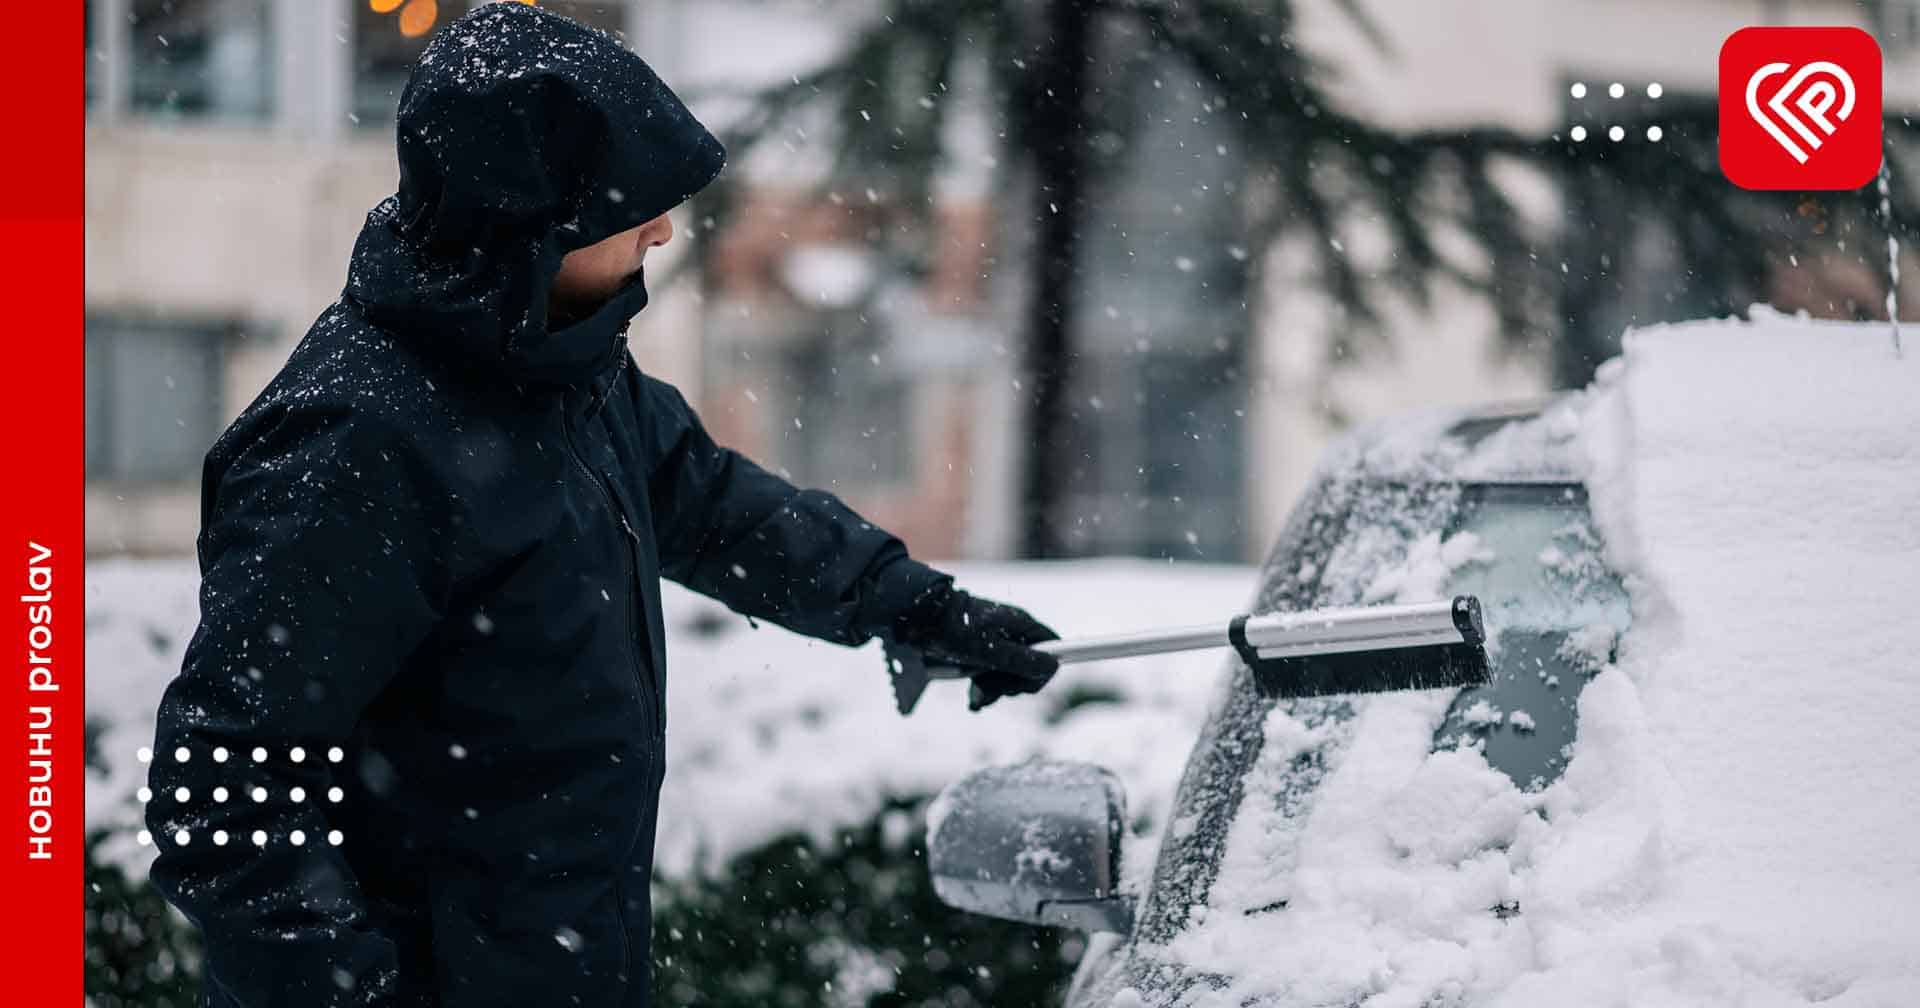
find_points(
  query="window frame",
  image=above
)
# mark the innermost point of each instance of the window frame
(116, 82)
(220, 335)
(311, 64)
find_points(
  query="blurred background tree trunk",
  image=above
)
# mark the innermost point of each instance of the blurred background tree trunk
(1059, 126)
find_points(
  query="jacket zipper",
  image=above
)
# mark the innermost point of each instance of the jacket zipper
(630, 567)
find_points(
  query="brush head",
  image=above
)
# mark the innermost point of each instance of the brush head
(1429, 666)
(1444, 659)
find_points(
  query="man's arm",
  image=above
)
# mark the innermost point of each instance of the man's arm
(801, 558)
(319, 578)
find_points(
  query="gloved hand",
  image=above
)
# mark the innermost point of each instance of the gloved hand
(987, 639)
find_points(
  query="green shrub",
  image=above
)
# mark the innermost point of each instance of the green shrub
(853, 922)
(141, 953)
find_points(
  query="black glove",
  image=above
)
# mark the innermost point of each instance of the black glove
(989, 640)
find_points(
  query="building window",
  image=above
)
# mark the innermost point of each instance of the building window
(1896, 24)
(388, 38)
(201, 59)
(1624, 250)
(390, 35)
(850, 426)
(1155, 464)
(153, 397)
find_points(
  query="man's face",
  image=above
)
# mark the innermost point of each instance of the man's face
(591, 275)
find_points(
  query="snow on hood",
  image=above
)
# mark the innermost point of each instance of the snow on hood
(1740, 820)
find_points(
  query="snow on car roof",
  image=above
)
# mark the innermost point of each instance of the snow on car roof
(1524, 442)
(1740, 819)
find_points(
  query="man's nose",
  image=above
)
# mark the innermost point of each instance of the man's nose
(657, 231)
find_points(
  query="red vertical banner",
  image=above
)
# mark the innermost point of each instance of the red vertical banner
(42, 539)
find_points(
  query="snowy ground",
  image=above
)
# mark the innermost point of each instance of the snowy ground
(1740, 820)
(767, 731)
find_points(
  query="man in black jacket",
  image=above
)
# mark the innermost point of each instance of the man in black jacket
(415, 751)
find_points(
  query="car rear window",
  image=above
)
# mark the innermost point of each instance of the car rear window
(1553, 611)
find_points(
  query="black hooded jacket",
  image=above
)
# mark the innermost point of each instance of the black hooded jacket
(414, 754)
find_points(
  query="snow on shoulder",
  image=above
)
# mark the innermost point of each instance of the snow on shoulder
(1739, 823)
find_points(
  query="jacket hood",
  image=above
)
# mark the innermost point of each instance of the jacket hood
(523, 135)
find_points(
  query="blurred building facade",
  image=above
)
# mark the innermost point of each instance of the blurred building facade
(234, 147)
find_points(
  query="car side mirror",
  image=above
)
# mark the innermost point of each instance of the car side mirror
(1038, 843)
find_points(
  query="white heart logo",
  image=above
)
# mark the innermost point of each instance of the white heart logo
(1814, 100)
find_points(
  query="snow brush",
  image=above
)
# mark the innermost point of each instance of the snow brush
(1364, 649)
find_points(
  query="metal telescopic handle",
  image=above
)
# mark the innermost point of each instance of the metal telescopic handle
(1131, 645)
(1288, 635)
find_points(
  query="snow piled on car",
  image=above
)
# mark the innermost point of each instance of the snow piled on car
(1740, 820)
(769, 732)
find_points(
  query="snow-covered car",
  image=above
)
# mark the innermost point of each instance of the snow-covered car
(1624, 813)
(1402, 513)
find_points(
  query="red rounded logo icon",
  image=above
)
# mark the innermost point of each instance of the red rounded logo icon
(1800, 108)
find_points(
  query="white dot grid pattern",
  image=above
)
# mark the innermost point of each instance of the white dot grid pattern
(221, 754)
(1654, 134)
(260, 838)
